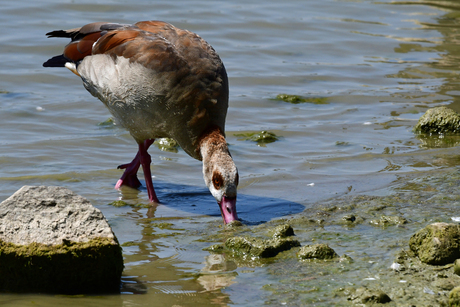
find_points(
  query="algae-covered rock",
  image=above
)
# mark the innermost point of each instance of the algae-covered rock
(261, 138)
(255, 247)
(233, 225)
(167, 144)
(108, 123)
(364, 295)
(438, 243)
(53, 240)
(439, 120)
(349, 218)
(215, 248)
(457, 267)
(283, 231)
(387, 220)
(295, 99)
(454, 297)
(316, 251)
(445, 284)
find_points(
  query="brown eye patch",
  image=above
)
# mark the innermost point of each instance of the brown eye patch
(217, 180)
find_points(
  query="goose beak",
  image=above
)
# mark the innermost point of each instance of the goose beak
(228, 209)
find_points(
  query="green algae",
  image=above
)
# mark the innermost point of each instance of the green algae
(261, 138)
(454, 297)
(130, 243)
(296, 99)
(438, 243)
(215, 248)
(233, 225)
(163, 225)
(457, 267)
(167, 144)
(259, 248)
(316, 251)
(364, 295)
(282, 231)
(118, 203)
(121, 203)
(108, 123)
(386, 220)
(439, 120)
(69, 268)
(251, 248)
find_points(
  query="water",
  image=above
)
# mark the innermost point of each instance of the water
(378, 65)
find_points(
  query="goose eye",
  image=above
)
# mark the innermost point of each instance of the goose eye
(217, 180)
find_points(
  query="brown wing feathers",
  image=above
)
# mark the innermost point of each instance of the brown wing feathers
(112, 37)
(83, 39)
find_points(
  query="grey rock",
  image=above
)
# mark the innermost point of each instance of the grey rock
(54, 241)
(49, 215)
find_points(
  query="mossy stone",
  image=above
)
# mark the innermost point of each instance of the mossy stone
(261, 138)
(437, 244)
(295, 99)
(255, 247)
(457, 267)
(55, 241)
(366, 296)
(316, 251)
(439, 120)
(167, 144)
(70, 268)
(283, 231)
(387, 220)
(454, 297)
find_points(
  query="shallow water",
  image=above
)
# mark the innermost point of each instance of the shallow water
(377, 65)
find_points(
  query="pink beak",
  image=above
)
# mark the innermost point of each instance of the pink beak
(228, 209)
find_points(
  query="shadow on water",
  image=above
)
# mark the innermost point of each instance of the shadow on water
(252, 210)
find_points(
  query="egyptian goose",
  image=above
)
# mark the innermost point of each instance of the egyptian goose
(158, 81)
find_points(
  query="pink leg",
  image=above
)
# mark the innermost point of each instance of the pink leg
(145, 162)
(129, 177)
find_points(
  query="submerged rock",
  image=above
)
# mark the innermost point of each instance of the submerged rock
(283, 231)
(439, 120)
(349, 218)
(261, 138)
(295, 99)
(255, 247)
(316, 251)
(53, 240)
(454, 297)
(457, 267)
(364, 295)
(387, 220)
(233, 225)
(438, 243)
(167, 144)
